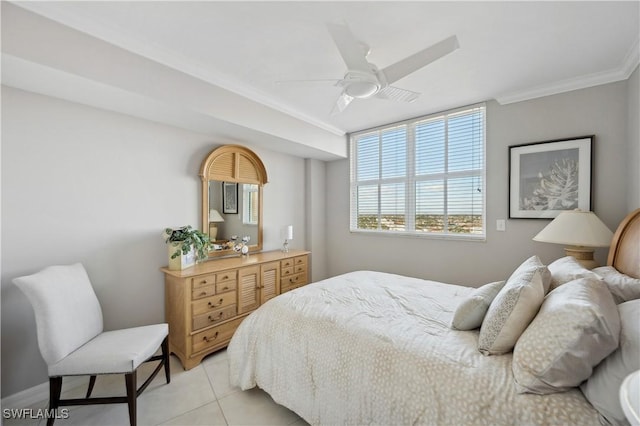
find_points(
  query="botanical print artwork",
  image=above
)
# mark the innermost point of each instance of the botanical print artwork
(549, 180)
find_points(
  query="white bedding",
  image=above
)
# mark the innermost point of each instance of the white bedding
(376, 348)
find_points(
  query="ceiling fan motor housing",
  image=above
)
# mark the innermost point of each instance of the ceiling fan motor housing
(361, 85)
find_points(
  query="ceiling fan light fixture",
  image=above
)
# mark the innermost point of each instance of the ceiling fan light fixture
(361, 89)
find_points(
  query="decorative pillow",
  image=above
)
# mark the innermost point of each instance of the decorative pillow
(567, 269)
(577, 327)
(623, 287)
(514, 307)
(602, 388)
(470, 313)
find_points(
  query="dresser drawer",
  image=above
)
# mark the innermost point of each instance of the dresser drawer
(214, 336)
(226, 276)
(203, 280)
(285, 272)
(204, 320)
(300, 260)
(203, 291)
(290, 287)
(302, 268)
(293, 281)
(286, 263)
(213, 303)
(225, 286)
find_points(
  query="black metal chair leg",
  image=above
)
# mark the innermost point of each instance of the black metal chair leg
(165, 357)
(55, 389)
(92, 382)
(130, 380)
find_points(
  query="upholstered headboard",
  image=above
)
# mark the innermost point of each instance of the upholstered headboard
(624, 254)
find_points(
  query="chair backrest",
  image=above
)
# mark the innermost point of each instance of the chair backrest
(67, 310)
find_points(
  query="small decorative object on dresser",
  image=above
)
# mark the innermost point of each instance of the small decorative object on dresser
(205, 304)
(186, 245)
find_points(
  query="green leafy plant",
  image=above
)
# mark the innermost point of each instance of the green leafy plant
(188, 239)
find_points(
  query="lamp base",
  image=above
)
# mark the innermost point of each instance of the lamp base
(213, 231)
(583, 255)
(285, 246)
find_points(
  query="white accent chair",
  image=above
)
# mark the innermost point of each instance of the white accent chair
(72, 341)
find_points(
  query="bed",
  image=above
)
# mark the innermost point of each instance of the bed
(376, 348)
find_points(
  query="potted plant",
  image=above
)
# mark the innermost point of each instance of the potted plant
(186, 245)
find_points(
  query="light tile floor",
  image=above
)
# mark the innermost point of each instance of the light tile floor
(200, 396)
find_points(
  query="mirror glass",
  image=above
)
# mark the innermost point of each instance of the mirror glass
(234, 210)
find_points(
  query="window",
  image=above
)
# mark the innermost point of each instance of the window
(250, 204)
(421, 177)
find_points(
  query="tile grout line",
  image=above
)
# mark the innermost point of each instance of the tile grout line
(209, 378)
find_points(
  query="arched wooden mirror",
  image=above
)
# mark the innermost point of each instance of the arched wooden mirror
(232, 180)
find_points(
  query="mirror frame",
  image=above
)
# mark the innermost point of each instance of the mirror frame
(232, 163)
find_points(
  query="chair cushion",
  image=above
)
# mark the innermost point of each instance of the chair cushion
(118, 351)
(66, 308)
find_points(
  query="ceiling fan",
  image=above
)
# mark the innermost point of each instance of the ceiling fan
(364, 80)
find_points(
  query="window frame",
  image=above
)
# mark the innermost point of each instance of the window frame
(412, 178)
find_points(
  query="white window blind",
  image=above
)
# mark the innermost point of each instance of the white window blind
(422, 177)
(250, 204)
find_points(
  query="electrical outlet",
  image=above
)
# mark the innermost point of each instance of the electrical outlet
(501, 225)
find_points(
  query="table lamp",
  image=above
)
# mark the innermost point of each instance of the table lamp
(287, 233)
(580, 231)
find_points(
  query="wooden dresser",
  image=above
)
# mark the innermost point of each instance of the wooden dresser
(205, 304)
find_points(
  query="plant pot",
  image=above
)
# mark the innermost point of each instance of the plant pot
(180, 262)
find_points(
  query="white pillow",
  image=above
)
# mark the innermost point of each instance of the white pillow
(623, 287)
(577, 327)
(513, 308)
(471, 311)
(567, 269)
(602, 388)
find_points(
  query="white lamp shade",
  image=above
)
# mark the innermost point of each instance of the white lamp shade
(576, 228)
(214, 216)
(288, 232)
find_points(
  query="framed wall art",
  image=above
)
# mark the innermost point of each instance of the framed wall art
(548, 177)
(229, 197)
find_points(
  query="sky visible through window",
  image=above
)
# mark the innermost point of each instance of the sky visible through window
(439, 152)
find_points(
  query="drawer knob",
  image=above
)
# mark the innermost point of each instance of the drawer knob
(225, 288)
(207, 339)
(213, 305)
(204, 293)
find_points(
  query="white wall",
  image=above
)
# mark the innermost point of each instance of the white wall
(85, 185)
(633, 159)
(600, 110)
(317, 202)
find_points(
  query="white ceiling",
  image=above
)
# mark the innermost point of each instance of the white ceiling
(509, 51)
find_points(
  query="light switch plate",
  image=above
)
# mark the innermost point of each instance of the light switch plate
(501, 225)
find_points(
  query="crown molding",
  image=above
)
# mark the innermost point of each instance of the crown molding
(175, 60)
(629, 64)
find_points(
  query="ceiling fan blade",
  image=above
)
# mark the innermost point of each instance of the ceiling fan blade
(342, 103)
(397, 94)
(352, 52)
(322, 81)
(419, 60)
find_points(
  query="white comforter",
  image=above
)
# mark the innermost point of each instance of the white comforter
(376, 348)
